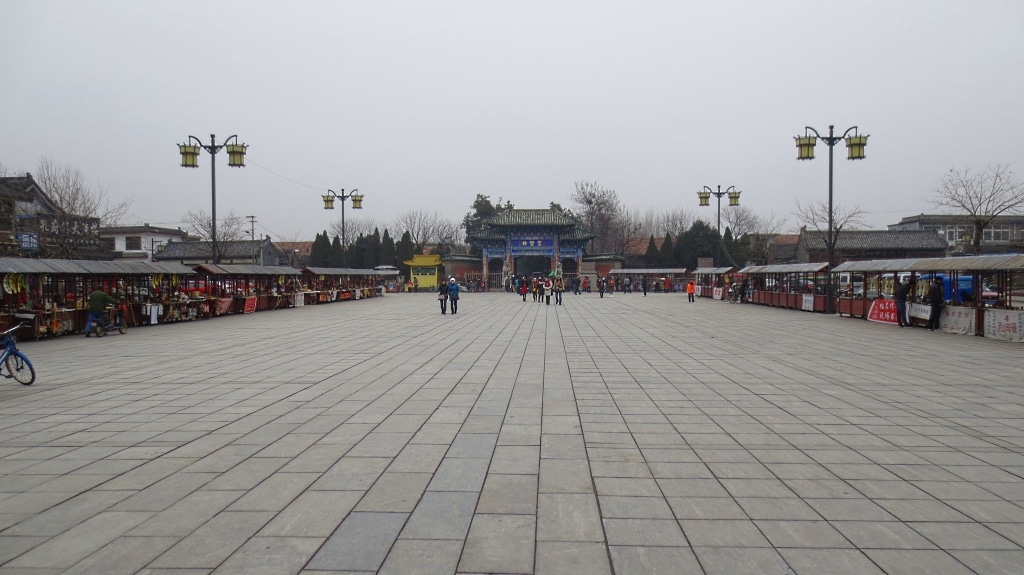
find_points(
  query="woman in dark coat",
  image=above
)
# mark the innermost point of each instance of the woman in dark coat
(442, 296)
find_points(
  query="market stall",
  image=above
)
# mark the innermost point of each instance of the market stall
(50, 295)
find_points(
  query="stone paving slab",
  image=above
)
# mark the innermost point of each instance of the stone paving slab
(621, 435)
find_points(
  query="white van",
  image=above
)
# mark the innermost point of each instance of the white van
(851, 284)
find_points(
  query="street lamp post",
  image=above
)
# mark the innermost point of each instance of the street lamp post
(153, 243)
(705, 200)
(855, 145)
(190, 159)
(357, 204)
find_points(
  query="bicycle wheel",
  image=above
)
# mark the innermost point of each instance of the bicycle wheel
(20, 369)
(122, 328)
(98, 330)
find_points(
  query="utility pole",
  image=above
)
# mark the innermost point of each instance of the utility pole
(252, 234)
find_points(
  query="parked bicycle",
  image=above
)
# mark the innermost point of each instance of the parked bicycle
(114, 320)
(13, 360)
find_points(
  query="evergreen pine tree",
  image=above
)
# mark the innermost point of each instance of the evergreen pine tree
(319, 253)
(404, 251)
(387, 250)
(667, 253)
(335, 257)
(653, 257)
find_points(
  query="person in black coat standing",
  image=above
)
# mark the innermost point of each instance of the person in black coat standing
(901, 295)
(442, 296)
(935, 299)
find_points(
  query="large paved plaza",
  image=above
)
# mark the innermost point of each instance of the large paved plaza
(624, 435)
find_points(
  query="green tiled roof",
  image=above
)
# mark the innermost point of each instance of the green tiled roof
(516, 217)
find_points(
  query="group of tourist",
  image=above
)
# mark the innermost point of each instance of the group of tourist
(543, 289)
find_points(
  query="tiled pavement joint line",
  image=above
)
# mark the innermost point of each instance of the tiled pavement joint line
(926, 445)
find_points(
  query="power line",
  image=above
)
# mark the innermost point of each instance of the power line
(285, 178)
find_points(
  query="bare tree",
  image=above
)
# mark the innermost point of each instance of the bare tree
(762, 237)
(229, 228)
(598, 208)
(67, 188)
(740, 220)
(423, 226)
(354, 227)
(621, 231)
(815, 215)
(657, 223)
(980, 195)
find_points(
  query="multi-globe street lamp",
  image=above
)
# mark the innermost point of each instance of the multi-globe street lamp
(357, 204)
(190, 159)
(855, 145)
(705, 200)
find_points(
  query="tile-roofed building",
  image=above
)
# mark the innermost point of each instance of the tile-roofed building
(531, 217)
(261, 253)
(527, 241)
(139, 242)
(33, 225)
(783, 248)
(870, 245)
(1004, 234)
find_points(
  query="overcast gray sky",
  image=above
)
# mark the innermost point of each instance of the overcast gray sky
(425, 104)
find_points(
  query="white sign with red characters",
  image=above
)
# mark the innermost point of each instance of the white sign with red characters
(1005, 324)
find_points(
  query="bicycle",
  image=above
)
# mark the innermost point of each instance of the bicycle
(17, 364)
(114, 320)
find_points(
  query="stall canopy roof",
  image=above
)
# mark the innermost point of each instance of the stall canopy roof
(964, 264)
(88, 267)
(704, 271)
(348, 272)
(246, 270)
(809, 268)
(651, 271)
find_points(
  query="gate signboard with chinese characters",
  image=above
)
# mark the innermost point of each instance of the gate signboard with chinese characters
(532, 245)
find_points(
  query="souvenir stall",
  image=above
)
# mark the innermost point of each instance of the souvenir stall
(792, 286)
(51, 295)
(323, 285)
(245, 288)
(711, 281)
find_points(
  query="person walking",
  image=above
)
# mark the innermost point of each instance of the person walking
(442, 296)
(548, 288)
(900, 295)
(601, 285)
(524, 287)
(935, 299)
(627, 285)
(559, 289)
(690, 290)
(643, 284)
(453, 295)
(586, 284)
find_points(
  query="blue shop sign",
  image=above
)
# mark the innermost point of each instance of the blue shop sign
(28, 242)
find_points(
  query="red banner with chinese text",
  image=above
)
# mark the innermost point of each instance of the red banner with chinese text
(883, 310)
